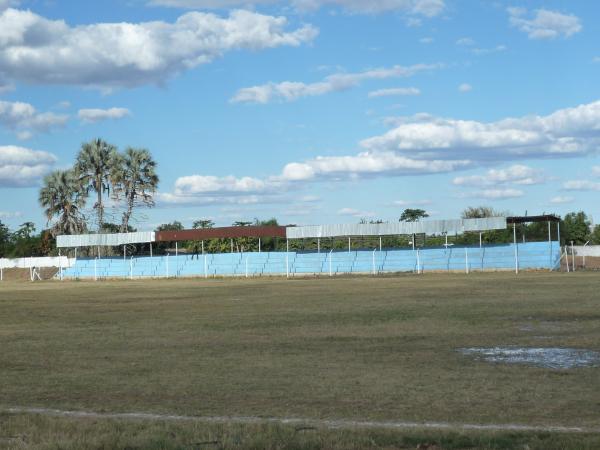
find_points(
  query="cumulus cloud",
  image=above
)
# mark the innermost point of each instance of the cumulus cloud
(37, 50)
(466, 41)
(24, 118)
(516, 174)
(581, 185)
(406, 203)
(560, 200)
(566, 132)
(544, 24)
(10, 214)
(486, 51)
(494, 194)
(23, 167)
(465, 87)
(596, 170)
(394, 92)
(289, 91)
(355, 212)
(427, 8)
(98, 115)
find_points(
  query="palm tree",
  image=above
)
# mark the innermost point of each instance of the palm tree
(62, 197)
(93, 167)
(135, 180)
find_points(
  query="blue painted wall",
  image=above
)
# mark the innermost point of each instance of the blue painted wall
(533, 255)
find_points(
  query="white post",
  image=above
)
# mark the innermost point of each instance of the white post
(176, 258)
(413, 241)
(205, 268)
(516, 248)
(480, 240)
(98, 251)
(380, 243)
(246, 266)
(330, 266)
(584, 245)
(60, 266)
(203, 248)
(259, 242)
(75, 252)
(573, 255)
(95, 269)
(167, 265)
(349, 245)
(124, 252)
(446, 240)
(467, 260)
(418, 262)
(318, 245)
(550, 245)
(287, 258)
(231, 245)
(567, 259)
(558, 232)
(151, 250)
(374, 261)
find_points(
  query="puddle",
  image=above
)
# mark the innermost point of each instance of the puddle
(547, 357)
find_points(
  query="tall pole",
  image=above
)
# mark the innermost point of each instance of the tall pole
(516, 248)
(151, 250)
(318, 245)
(287, 258)
(124, 252)
(349, 245)
(259, 250)
(550, 245)
(203, 247)
(380, 243)
(573, 255)
(231, 245)
(176, 258)
(413, 241)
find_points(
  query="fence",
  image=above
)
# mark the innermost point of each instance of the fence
(533, 255)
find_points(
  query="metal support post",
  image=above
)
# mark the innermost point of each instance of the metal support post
(380, 243)
(550, 245)
(203, 247)
(418, 262)
(413, 241)
(349, 245)
(287, 258)
(480, 240)
(151, 250)
(516, 248)
(558, 232)
(318, 245)
(176, 259)
(259, 245)
(124, 252)
(573, 255)
(231, 245)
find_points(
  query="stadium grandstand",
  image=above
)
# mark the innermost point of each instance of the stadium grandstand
(365, 252)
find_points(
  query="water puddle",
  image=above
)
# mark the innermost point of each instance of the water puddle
(546, 357)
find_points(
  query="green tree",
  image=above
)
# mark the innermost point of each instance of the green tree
(595, 237)
(203, 223)
(575, 227)
(413, 215)
(135, 180)
(5, 240)
(480, 212)
(62, 199)
(94, 167)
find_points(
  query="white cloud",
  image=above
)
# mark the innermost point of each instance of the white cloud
(581, 185)
(23, 167)
(289, 91)
(394, 92)
(596, 59)
(465, 87)
(486, 51)
(426, 40)
(355, 213)
(25, 119)
(98, 115)
(495, 194)
(427, 8)
(596, 170)
(566, 132)
(516, 174)
(212, 185)
(10, 214)
(366, 164)
(466, 41)
(544, 24)
(405, 203)
(37, 50)
(560, 200)
(4, 4)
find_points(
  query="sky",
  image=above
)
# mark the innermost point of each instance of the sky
(310, 111)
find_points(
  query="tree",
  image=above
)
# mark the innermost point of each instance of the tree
(575, 227)
(413, 215)
(480, 212)
(5, 240)
(94, 167)
(203, 223)
(135, 180)
(62, 199)
(595, 237)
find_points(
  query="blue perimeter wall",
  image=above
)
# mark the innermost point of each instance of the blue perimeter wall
(533, 255)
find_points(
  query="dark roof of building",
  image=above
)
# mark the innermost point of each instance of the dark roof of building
(531, 219)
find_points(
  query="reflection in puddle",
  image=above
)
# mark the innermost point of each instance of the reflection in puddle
(551, 358)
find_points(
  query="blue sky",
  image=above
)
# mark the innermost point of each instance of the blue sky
(311, 111)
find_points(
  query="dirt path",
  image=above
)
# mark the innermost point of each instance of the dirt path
(324, 423)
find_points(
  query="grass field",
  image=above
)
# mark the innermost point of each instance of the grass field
(379, 349)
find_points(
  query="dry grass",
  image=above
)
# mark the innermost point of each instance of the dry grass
(362, 348)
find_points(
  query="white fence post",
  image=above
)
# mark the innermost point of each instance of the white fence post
(418, 262)
(573, 255)
(287, 258)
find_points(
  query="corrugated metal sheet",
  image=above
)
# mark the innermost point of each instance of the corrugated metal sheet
(220, 233)
(387, 229)
(26, 263)
(588, 250)
(104, 240)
